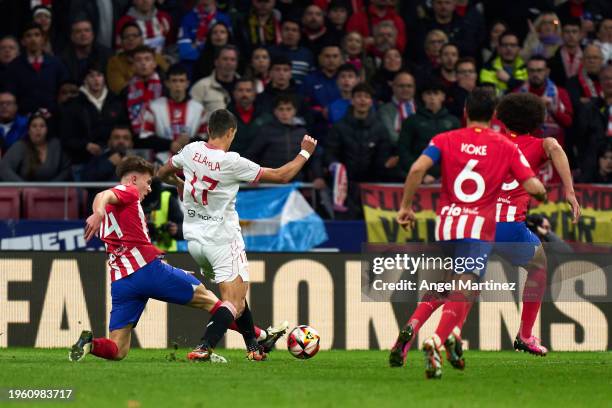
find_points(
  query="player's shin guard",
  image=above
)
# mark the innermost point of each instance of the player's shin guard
(218, 324)
(535, 285)
(105, 348)
(452, 314)
(424, 310)
(260, 333)
(246, 328)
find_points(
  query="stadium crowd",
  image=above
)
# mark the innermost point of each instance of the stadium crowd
(84, 82)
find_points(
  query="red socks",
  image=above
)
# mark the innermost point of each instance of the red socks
(453, 314)
(468, 307)
(423, 312)
(233, 325)
(534, 289)
(104, 348)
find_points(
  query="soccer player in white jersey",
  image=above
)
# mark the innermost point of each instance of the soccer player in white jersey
(212, 178)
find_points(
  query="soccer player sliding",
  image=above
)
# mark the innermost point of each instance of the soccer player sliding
(523, 114)
(137, 272)
(474, 163)
(212, 178)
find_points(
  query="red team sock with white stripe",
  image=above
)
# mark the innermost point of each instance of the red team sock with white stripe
(104, 348)
(535, 285)
(260, 334)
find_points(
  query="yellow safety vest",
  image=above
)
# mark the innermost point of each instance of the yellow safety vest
(159, 218)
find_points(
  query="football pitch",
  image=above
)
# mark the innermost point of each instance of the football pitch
(153, 378)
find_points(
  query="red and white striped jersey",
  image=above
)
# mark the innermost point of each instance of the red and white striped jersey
(155, 28)
(168, 119)
(513, 201)
(474, 163)
(125, 234)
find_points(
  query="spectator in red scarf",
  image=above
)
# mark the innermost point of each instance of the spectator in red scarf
(559, 111)
(144, 86)
(194, 29)
(379, 10)
(155, 24)
(353, 48)
(585, 86)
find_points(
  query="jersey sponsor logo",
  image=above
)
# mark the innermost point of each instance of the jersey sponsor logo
(193, 213)
(473, 149)
(201, 159)
(454, 210)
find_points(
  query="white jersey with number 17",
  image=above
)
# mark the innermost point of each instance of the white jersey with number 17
(212, 178)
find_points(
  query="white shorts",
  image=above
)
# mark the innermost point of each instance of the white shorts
(227, 261)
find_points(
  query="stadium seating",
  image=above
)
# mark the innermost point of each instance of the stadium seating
(10, 203)
(48, 204)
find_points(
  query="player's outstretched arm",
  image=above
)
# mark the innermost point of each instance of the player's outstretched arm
(535, 188)
(405, 216)
(287, 172)
(559, 160)
(92, 224)
(167, 174)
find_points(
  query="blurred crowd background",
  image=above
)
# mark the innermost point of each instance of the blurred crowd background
(85, 82)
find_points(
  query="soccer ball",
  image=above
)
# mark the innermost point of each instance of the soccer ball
(303, 342)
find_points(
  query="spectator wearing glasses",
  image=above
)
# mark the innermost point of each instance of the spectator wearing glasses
(585, 86)
(507, 71)
(12, 126)
(120, 70)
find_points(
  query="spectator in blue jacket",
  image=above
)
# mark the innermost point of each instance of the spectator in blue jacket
(320, 87)
(348, 77)
(194, 29)
(12, 125)
(302, 61)
(34, 77)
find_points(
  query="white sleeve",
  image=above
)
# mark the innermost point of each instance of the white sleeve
(246, 170)
(178, 160)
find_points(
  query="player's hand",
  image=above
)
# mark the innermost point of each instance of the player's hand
(92, 225)
(573, 202)
(309, 144)
(406, 218)
(391, 162)
(93, 149)
(502, 75)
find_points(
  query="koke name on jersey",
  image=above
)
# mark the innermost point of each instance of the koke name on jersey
(469, 148)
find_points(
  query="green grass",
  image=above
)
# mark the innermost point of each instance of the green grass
(332, 379)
